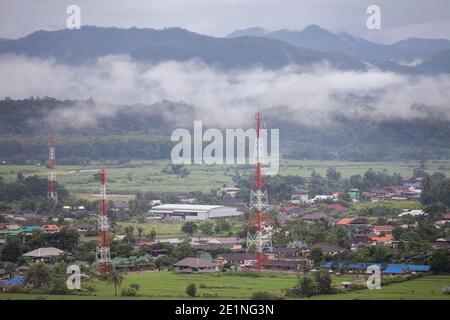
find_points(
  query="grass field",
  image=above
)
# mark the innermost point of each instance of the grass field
(404, 204)
(173, 229)
(169, 285)
(146, 175)
(426, 288)
(167, 229)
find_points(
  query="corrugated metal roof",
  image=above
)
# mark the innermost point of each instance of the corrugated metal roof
(194, 263)
(393, 268)
(44, 252)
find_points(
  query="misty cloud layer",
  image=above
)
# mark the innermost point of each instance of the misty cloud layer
(227, 98)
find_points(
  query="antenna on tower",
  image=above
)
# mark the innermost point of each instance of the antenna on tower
(51, 193)
(103, 251)
(259, 234)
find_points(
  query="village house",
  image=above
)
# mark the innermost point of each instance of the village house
(195, 265)
(171, 240)
(299, 196)
(353, 194)
(441, 243)
(337, 207)
(380, 194)
(298, 244)
(22, 270)
(145, 242)
(29, 230)
(155, 202)
(413, 213)
(228, 191)
(83, 227)
(385, 240)
(236, 258)
(331, 249)
(357, 223)
(391, 269)
(316, 216)
(120, 205)
(322, 197)
(3, 274)
(13, 227)
(133, 263)
(283, 265)
(46, 255)
(284, 253)
(205, 243)
(378, 230)
(443, 220)
(157, 252)
(292, 210)
(51, 228)
(361, 240)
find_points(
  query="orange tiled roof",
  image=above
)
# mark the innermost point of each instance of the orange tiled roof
(51, 227)
(386, 238)
(345, 221)
(337, 207)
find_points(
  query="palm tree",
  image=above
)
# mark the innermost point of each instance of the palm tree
(115, 278)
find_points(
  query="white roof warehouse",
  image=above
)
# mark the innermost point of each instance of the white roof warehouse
(195, 211)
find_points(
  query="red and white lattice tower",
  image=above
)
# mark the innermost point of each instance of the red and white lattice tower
(103, 252)
(51, 193)
(259, 234)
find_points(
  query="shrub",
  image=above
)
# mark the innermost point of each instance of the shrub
(446, 290)
(129, 292)
(58, 286)
(135, 286)
(263, 295)
(191, 290)
(90, 288)
(306, 286)
(14, 289)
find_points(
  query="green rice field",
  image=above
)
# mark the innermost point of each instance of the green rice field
(169, 285)
(147, 175)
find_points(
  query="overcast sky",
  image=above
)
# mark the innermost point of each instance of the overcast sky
(400, 18)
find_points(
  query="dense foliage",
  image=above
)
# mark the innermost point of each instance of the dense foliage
(143, 132)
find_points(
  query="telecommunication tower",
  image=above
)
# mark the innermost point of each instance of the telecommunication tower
(259, 229)
(103, 251)
(51, 193)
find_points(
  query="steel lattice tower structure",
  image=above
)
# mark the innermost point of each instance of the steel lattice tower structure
(51, 193)
(259, 234)
(103, 252)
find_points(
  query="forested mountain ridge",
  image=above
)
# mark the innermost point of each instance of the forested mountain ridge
(139, 131)
(242, 49)
(386, 56)
(176, 44)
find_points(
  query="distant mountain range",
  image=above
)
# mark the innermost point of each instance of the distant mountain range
(241, 49)
(435, 52)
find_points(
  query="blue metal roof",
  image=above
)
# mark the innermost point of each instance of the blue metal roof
(16, 281)
(32, 228)
(413, 184)
(394, 268)
(403, 268)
